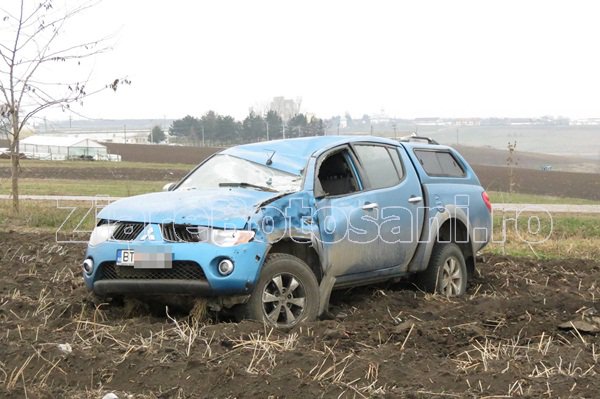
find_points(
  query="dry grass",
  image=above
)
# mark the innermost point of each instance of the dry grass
(353, 375)
(541, 357)
(265, 348)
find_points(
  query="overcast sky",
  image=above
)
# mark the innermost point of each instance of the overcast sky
(407, 58)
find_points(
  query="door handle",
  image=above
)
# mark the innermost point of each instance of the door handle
(370, 205)
(413, 199)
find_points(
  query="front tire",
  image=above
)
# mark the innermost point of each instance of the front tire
(446, 273)
(287, 293)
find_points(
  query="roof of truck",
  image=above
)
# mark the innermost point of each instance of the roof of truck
(291, 155)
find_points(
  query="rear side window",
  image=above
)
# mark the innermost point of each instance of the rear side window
(439, 163)
(397, 162)
(378, 165)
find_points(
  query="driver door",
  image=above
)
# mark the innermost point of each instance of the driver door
(348, 233)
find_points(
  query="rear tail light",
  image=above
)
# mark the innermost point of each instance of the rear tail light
(486, 200)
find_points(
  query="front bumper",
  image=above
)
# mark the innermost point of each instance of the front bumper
(153, 287)
(247, 258)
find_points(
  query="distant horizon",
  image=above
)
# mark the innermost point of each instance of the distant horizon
(357, 116)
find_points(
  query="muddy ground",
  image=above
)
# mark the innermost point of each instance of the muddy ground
(530, 181)
(387, 341)
(161, 153)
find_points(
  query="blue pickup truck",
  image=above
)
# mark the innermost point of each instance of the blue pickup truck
(270, 229)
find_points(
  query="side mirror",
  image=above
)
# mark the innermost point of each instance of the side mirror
(168, 186)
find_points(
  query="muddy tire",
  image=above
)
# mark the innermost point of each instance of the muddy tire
(287, 293)
(446, 273)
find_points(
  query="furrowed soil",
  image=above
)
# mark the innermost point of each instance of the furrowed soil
(527, 176)
(387, 340)
(493, 178)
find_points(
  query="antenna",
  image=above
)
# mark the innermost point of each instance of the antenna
(270, 160)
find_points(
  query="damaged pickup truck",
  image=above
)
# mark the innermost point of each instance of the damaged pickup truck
(270, 229)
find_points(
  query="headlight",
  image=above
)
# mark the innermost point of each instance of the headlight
(229, 238)
(102, 233)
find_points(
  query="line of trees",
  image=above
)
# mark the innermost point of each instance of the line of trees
(215, 129)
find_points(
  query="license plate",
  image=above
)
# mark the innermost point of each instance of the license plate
(153, 260)
(125, 257)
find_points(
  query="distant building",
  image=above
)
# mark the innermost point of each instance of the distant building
(64, 148)
(286, 108)
(379, 118)
(586, 122)
(467, 122)
(431, 122)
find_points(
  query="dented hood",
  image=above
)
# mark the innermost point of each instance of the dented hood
(221, 208)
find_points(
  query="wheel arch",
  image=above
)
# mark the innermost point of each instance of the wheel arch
(302, 249)
(454, 230)
(449, 225)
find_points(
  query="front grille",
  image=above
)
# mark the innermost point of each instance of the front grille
(184, 233)
(127, 231)
(181, 270)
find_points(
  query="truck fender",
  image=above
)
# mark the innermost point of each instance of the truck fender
(434, 220)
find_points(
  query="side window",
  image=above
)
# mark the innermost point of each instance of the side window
(397, 162)
(378, 165)
(430, 163)
(335, 175)
(439, 163)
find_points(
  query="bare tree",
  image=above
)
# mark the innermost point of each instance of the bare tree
(34, 51)
(511, 162)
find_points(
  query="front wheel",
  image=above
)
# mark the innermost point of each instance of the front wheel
(446, 273)
(287, 293)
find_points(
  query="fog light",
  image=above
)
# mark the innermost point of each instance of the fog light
(88, 265)
(225, 267)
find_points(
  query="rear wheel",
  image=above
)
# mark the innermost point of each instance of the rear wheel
(287, 293)
(447, 271)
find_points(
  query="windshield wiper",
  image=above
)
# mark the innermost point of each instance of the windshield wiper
(244, 184)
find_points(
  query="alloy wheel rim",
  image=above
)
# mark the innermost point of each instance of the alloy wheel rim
(283, 299)
(451, 277)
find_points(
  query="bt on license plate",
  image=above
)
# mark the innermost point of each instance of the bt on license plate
(125, 257)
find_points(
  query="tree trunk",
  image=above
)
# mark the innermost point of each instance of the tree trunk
(14, 163)
(14, 169)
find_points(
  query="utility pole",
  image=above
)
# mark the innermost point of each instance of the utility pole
(124, 134)
(283, 129)
(202, 135)
(267, 123)
(395, 135)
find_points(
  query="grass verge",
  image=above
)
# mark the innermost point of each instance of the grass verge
(546, 236)
(32, 163)
(519, 198)
(116, 188)
(53, 216)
